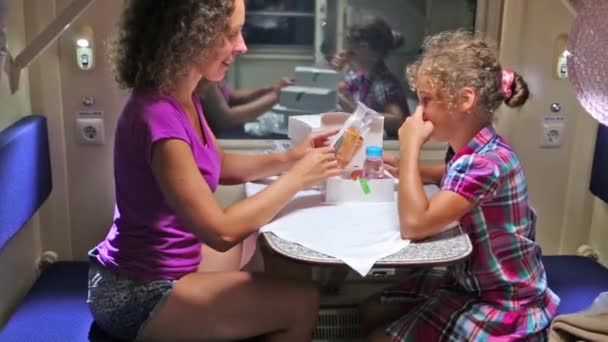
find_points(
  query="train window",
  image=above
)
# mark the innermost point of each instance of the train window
(280, 22)
(277, 30)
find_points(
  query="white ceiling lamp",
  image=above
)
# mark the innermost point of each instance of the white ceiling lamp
(14, 66)
(587, 56)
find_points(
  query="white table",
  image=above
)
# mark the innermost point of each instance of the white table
(446, 248)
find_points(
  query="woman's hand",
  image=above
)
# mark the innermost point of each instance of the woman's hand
(391, 164)
(415, 131)
(311, 141)
(284, 82)
(317, 165)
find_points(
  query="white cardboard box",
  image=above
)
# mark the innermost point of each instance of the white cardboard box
(341, 190)
(317, 77)
(312, 100)
(338, 189)
(280, 109)
(284, 113)
(300, 125)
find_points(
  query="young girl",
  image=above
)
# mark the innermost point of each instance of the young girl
(369, 80)
(500, 292)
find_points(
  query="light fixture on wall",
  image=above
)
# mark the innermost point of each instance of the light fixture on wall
(587, 55)
(84, 49)
(42, 41)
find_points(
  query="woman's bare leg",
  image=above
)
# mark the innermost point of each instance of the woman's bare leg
(250, 245)
(232, 306)
(214, 261)
(281, 267)
(232, 260)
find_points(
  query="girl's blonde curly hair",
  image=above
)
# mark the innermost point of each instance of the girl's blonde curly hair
(158, 39)
(452, 60)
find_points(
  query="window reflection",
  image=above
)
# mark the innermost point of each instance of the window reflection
(280, 22)
(290, 25)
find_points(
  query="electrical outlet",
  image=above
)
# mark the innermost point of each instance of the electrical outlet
(552, 131)
(90, 131)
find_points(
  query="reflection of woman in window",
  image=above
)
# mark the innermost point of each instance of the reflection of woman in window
(227, 110)
(369, 80)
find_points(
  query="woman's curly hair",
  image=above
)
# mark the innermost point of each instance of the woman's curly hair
(452, 60)
(158, 39)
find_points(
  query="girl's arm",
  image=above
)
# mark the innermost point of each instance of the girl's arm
(345, 97)
(420, 217)
(430, 174)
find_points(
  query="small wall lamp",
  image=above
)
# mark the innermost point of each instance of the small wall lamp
(84, 49)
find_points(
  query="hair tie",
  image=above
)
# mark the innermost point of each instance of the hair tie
(508, 77)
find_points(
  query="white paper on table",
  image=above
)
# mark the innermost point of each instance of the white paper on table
(359, 234)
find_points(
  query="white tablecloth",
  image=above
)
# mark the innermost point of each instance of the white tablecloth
(359, 234)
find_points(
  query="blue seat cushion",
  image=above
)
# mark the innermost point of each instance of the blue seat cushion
(576, 280)
(55, 309)
(25, 173)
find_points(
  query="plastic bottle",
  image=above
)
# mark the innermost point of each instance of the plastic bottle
(373, 168)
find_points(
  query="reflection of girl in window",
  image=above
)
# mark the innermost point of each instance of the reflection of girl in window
(369, 80)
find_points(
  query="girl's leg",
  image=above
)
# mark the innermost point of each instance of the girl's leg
(375, 314)
(232, 306)
(393, 303)
(379, 335)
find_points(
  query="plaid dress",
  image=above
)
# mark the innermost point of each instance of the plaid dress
(378, 90)
(500, 292)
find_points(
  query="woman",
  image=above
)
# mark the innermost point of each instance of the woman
(143, 282)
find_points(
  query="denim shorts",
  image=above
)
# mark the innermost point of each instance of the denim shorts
(121, 306)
